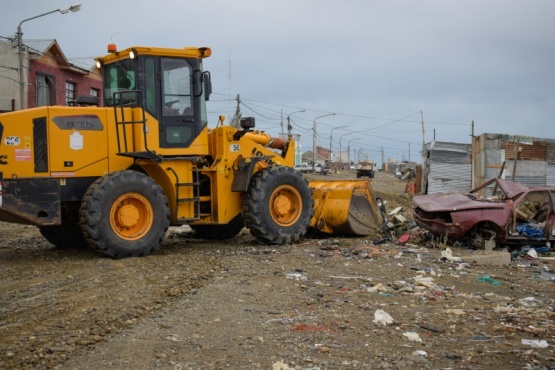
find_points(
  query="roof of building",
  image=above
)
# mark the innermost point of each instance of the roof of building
(51, 47)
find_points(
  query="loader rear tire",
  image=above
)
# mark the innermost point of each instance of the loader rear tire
(220, 232)
(125, 214)
(278, 205)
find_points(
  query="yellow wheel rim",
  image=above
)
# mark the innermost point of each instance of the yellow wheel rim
(131, 216)
(285, 205)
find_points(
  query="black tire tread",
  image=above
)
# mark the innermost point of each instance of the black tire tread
(94, 214)
(256, 213)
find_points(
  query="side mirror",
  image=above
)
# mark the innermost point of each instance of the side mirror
(207, 82)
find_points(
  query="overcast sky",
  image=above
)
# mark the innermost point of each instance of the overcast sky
(380, 66)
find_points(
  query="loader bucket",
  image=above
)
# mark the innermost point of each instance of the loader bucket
(344, 207)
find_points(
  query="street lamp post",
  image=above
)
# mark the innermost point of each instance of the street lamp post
(340, 156)
(314, 140)
(22, 85)
(349, 152)
(331, 134)
(289, 121)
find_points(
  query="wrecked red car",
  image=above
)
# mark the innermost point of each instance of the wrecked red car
(497, 212)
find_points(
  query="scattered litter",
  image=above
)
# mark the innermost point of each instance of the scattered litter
(432, 328)
(350, 277)
(426, 281)
(534, 343)
(528, 302)
(447, 253)
(382, 317)
(297, 275)
(532, 253)
(396, 211)
(421, 353)
(403, 239)
(488, 279)
(547, 275)
(401, 286)
(461, 266)
(412, 336)
(173, 337)
(378, 288)
(530, 230)
(280, 365)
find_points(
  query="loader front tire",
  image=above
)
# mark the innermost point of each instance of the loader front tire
(278, 205)
(220, 232)
(125, 214)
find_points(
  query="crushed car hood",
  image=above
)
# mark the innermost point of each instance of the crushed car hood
(440, 202)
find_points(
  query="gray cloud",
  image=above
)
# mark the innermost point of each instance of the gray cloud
(371, 62)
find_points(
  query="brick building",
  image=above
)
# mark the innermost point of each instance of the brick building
(51, 79)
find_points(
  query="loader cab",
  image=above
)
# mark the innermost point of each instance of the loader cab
(173, 89)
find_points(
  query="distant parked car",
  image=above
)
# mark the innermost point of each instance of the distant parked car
(511, 214)
(303, 168)
(323, 170)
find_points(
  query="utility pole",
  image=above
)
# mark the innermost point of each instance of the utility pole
(282, 133)
(424, 181)
(472, 156)
(289, 127)
(236, 120)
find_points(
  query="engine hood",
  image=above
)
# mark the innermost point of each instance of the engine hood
(441, 202)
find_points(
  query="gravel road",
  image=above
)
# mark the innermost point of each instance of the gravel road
(335, 303)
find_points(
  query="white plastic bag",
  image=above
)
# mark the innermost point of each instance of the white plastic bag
(382, 317)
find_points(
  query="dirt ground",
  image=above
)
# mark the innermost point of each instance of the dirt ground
(335, 303)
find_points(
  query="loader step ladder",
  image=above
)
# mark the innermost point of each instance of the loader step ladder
(131, 98)
(195, 199)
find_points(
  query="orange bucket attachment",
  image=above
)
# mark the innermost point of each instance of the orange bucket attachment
(344, 207)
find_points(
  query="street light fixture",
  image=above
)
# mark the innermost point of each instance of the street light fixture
(22, 85)
(289, 121)
(314, 140)
(340, 156)
(331, 134)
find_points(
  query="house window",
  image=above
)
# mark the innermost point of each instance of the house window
(94, 92)
(46, 90)
(70, 93)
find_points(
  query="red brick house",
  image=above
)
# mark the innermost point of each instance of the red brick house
(53, 80)
(49, 77)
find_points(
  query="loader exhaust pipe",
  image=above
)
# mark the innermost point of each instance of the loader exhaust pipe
(344, 207)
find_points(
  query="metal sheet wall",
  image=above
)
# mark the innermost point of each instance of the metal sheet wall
(443, 156)
(550, 175)
(529, 173)
(449, 177)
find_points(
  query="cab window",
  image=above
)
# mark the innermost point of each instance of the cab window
(176, 87)
(118, 76)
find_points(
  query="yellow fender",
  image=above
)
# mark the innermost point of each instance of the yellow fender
(345, 207)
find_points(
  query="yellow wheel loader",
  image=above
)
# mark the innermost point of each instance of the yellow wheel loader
(116, 177)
